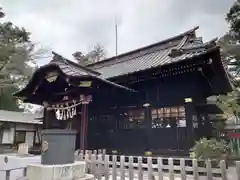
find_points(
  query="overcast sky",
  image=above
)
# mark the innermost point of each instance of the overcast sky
(70, 25)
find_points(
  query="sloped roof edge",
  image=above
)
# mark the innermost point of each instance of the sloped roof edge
(18, 117)
(149, 46)
(57, 57)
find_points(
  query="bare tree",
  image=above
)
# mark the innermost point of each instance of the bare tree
(97, 54)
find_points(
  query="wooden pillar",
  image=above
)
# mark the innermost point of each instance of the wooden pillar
(84, 127)
(45, 119)
(148, 120)
(190, 112)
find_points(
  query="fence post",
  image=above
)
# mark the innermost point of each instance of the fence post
(122, 168)
(114, 167)
(76, 153)
(106, 167)
(99, 166)
(90, 153)
(171, 168)
(183, 170)
(87, 170)
(150, 171)
(8, 175)
(25, 172)
(195, 169)
(238, 169)
(160, 168)
(140, 171)
(95, 152)
(223, 169)
(104, 152)
(93, 165)
(209, 169)
(130, 168)
(80, 157)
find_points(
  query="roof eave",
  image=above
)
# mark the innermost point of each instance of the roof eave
(200, 54)
(146, 47)
(58, 57)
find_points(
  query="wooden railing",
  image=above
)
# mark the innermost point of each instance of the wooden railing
(107, 167)
(8, 173)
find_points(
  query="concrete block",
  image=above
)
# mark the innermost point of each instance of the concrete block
(72, 171)
(18, 162)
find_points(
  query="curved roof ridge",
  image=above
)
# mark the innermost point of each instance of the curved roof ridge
(207, 44)
(149, 46)
(135, 57)
(58, 57)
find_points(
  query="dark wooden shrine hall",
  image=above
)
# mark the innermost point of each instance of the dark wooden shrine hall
(150, 99)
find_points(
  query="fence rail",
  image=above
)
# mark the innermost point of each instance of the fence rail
(105, 167)
(8, 172)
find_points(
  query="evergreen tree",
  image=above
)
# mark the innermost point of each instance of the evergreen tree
(233, 18)
(17, 61)
(15, 54)
(7, 101)
(98, 53)
(230, 47)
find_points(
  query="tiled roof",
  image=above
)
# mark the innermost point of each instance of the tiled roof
(70, 68)
(18, 117)
(73, 69)
(186, 45)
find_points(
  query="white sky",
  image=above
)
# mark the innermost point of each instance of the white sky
(68, 26)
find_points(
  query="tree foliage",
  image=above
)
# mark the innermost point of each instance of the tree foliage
(213, 149)
(15, 54)
(233, 18)
(230, 47)
(98, 53)
(229, 103)
(18, 54)
(17, 60)
(7, 101)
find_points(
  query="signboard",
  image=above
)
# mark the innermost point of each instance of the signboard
(234, 135)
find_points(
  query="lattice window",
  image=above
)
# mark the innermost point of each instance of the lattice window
(168, 117)
(134, 119)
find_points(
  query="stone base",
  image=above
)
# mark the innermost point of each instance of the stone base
(74, 171)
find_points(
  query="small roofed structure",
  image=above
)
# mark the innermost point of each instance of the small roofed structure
(18, 127)
(62, 77)
(64, 88)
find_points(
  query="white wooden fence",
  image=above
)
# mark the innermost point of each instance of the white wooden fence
(105, 167)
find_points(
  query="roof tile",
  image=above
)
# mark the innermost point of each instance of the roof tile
(158, 57)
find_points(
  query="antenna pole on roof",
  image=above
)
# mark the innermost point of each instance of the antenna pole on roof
(116, 35)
